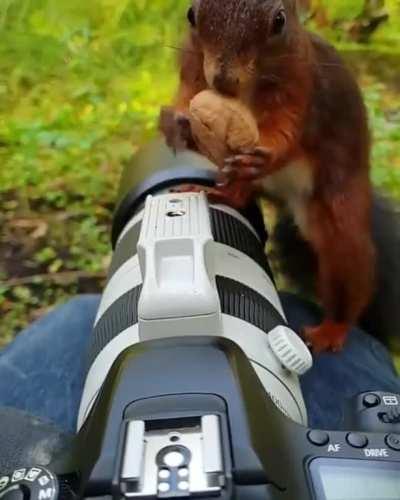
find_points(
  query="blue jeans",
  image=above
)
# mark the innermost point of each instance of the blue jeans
(42, 371)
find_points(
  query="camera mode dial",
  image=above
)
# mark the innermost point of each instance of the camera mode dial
(31, 483)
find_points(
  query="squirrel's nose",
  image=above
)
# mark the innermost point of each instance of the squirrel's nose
(226, 85)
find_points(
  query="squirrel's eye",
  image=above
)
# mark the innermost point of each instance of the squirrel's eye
(279, 22)
(191, 17)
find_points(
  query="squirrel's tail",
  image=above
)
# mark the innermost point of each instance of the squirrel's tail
(294, 259)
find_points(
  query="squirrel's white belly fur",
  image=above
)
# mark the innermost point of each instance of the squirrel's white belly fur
(292, 185)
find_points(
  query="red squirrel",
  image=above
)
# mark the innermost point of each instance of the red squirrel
(314, 151)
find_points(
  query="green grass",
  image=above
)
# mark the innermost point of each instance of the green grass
(80, 88)
(81, 83)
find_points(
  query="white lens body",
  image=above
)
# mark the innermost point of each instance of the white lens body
(177, 262)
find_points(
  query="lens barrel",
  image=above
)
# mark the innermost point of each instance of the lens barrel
(249, 303)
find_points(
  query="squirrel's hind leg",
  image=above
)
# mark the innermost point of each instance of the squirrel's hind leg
(340, 235)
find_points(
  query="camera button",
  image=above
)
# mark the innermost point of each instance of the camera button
(357, 440)
(371, 400)
(393, 441)
(318, 438)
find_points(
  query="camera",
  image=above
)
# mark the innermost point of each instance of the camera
(192, 386)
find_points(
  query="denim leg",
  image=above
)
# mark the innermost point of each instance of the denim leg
(364, 365)
(42, 371)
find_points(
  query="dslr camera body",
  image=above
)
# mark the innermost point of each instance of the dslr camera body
(192, 388)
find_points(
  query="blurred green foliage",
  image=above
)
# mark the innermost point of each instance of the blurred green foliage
(81, 83)
(335, 19)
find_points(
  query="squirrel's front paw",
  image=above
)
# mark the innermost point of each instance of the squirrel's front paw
(247, 165)
(176, 128)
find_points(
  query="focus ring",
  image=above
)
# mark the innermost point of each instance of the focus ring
(244, 303)
(230, 231)
(236, 299)
(120, 316)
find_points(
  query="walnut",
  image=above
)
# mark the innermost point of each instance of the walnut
(221, 126)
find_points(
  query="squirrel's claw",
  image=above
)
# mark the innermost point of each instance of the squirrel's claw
(247, 165)
(259, 151)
